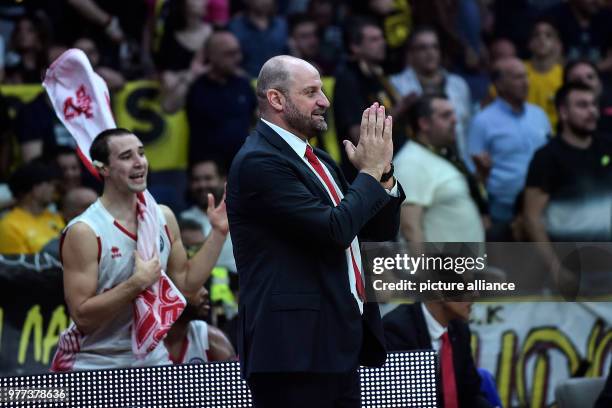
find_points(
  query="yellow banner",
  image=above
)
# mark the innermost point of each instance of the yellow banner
(166, 137)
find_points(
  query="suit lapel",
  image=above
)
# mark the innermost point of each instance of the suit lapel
(424, 338)
(308, 175)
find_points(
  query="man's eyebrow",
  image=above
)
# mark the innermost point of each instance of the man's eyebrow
(141, 147)
(310, 88)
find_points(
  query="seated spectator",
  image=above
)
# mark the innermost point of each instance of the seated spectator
(304, 42)
(208, 177)
(441, 203)
(585, 31)
(261, 34)
(395, 20)
(221, 103)
(361, 82)
(504, 136)
(191, 340)
(69, 165)
(192, 235)
(73, 203)
(442, 15)
(39, 131)
(501, 48)
(76, 202)
(30, 225)
(425, 74)
(222, 285)
(567, 194)
(26, 57)
(185, 33)
(585, 71)
(544, 72)
(114, 79)
(441, 326)
(325, 14)
(181, 53)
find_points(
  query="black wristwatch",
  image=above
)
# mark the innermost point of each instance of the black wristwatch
(386, 176)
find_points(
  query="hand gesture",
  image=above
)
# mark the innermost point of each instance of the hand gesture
(218, 215)
(374, 151)
(146, 273)
(483, 164)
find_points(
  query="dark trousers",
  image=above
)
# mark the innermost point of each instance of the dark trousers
(305, 390)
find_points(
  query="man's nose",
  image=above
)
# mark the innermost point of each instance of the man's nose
(323, 101)
(140, 161)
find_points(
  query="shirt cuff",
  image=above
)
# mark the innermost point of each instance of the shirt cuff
(393, 191)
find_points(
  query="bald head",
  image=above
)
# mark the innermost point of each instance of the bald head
(76, 201)
(276, 73)
(508, 65)
(290, 95)
(510, 78)
(224, 53)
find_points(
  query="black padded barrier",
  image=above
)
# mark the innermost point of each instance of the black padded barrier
(407, 379)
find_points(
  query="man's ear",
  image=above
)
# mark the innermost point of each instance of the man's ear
(276, 99)
(424, 123)
(100, 167)
(563, 112)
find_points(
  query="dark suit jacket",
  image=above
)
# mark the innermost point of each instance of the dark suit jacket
(297, 313)
(405, 329)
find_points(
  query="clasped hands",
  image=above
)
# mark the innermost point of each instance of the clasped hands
(374, 150)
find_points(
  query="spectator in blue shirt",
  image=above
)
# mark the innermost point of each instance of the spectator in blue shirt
(504, 136)
(262, 35)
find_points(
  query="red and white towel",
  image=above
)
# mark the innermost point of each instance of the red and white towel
(81, 101)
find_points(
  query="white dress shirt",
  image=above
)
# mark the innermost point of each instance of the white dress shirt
(299, 146)
(435, 329)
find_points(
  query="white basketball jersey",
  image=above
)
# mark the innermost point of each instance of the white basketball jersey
(110, 346)
(195, 347)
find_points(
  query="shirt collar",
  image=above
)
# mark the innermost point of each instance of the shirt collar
(435, 329)
(506, 107)
(297, 144)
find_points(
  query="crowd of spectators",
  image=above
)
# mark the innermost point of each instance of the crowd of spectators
(488, 97)
(205, 54)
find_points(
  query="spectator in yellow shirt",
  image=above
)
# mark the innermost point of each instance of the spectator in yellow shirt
(30, 225)
(544, 70)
